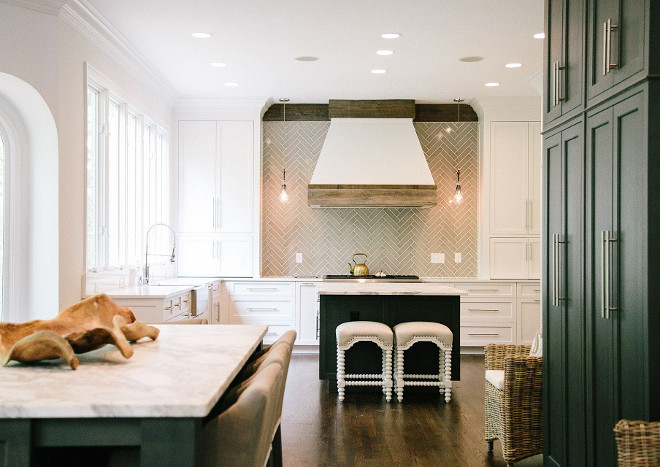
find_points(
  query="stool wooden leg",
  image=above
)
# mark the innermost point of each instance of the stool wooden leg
(387, 374)
(441, 370)
(341, 382)
(399, 375)
(447, 375)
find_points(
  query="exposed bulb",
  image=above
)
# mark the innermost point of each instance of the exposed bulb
(284, 197)
(458, 197)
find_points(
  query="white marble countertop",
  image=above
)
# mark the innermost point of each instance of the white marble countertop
(387, 288)
(145, 291)
(183, 373)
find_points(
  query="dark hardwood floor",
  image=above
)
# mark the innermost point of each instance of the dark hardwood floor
(366, 430)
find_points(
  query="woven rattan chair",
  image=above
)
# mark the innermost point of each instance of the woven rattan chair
(638, 443)
(514, 405)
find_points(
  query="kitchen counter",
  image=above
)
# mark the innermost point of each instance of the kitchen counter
(387, 288)
(146, 291)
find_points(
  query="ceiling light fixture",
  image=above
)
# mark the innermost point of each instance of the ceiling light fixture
(201, 35)
(231, 85)
(491, 85)
(284, 197)
(218, 64)
(378, 71)
(390, 35)
(539, 35)
(458, 195)
(513, 65)
(471, 58)
(384, 52)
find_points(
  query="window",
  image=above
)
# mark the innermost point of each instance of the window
(127, 181)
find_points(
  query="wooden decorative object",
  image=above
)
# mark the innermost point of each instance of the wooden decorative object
(372, 195)
(85, 326)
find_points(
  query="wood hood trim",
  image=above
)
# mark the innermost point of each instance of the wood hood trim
(362, 196)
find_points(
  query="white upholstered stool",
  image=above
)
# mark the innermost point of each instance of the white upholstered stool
(364, 331)
(407, 334)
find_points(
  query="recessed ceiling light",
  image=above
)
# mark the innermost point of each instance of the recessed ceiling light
(201, 35)
(472, 58)
(390, 35)
(384, 52)
(307, 58)
(513, 65)
(491, 85)
(539, 35)
(231, 85)
(218, 64)
(378, 71)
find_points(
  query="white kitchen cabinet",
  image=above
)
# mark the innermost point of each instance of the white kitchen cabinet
(150, 308)
(528, 312)
(215, 299)
(307, 313)
(271, 303)
(488, 313)
(216, 198)
(515, 258)
(212, 255)
(515, 178)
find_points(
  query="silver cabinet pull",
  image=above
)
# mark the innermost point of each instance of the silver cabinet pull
(215, 220)
(610, 28)
(555, 257)
(262, 309)
(608, 268)
(484, 310)
(262, 289)
(605, 48)
(603, 267)
(491, 334)
(554, 83)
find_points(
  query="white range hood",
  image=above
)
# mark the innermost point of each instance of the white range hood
(372, 162)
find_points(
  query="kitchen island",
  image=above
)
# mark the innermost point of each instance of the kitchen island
(156, 400)
(389, 303)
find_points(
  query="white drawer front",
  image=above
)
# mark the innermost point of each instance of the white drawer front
(275, 332)
(263, 310)
(529, 290)
(487, 289)
(484, 311)
(482, 335)
(262, 288)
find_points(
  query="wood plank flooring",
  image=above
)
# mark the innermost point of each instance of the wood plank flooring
(366, 430)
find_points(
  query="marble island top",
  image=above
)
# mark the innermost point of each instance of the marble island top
(183, 373)
(386, 288)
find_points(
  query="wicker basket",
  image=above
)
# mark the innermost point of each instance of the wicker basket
(514, 414)
(638, 443)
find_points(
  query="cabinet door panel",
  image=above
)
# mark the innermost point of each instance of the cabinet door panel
(307, 304)
(534, 259)
(197, 256)
(632, 39)
(535, 156)
(509, 178)
(528, 320)
(555, 36)
(508, 258)
(235, 174)
(600, 154)
(572, 77)
(600, 12)
(196, 175)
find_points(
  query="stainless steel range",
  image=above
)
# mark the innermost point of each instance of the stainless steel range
(370, 278)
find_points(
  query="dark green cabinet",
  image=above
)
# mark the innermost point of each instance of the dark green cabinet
(617, 255)
(564, 58)
(391, 310)
(617, 44)
(563, 309)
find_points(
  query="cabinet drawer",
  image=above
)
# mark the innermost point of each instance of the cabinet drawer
(487, 289)
(275, 332)
(484, 311)
(529, 290)
(263, 310)
(482, 335)
(180, 305)
(261, 288)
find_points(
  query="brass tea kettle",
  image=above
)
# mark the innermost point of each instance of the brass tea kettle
(359, 269)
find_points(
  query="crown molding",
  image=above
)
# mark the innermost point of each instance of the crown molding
(51, 7)
(254, 104)
(90, 23)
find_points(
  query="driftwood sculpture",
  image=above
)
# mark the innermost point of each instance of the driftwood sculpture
(85, 326)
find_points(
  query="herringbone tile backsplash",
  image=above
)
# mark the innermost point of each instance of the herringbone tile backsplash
(397, 240)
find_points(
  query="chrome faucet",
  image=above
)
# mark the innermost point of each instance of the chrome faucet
(147, 254)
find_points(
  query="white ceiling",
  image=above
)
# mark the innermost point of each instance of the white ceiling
(259, 40)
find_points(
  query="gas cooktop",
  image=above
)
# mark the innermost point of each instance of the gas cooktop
(370, 278)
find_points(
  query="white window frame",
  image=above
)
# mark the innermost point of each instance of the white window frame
(159, 208)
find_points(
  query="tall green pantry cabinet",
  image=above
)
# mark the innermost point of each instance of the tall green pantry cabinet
(601, 229)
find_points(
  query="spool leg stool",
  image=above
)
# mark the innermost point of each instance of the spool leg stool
(407, 334)
(364, 331)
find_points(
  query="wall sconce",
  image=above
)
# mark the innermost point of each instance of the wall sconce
(284, 197)
(458, 194)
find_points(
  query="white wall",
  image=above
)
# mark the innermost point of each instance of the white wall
(493, 109)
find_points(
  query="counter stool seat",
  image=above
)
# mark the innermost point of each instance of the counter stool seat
(350, 333)
(408, 334)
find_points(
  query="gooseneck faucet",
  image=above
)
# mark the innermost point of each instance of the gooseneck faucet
(147, 254)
